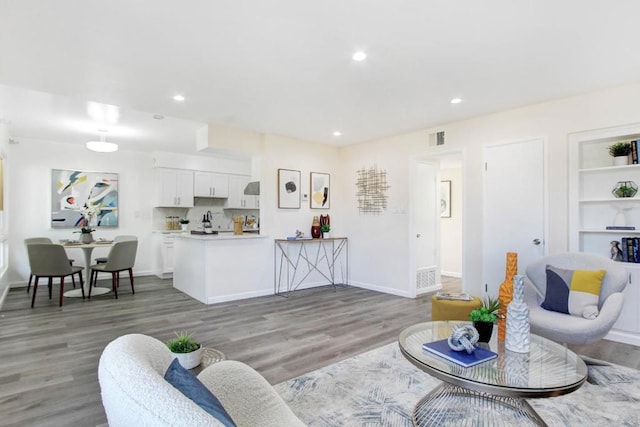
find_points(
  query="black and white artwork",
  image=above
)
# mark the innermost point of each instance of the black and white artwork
(288, 189)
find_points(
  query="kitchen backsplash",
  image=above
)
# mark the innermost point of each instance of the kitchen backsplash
(221, 219)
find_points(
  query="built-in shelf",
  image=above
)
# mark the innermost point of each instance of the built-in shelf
(592, 207)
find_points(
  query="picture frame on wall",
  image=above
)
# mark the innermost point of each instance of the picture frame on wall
(320, 190)
(78, 195)
(288, 189)
(445, 199)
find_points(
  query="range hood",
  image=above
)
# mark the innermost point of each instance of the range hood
(252, 189)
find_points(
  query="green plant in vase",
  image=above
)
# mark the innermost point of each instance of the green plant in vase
(620, 149)
(484, 317)
(187, 350)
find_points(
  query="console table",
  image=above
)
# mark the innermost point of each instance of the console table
(296, 259)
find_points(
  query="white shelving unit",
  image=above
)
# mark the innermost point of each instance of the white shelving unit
(593, 207)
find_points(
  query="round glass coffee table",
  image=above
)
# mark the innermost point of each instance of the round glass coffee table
(493, 392)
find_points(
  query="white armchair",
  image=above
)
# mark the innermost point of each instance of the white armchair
(565, 328)
(135, 393)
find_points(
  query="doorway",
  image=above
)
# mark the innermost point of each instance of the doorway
(436, 234)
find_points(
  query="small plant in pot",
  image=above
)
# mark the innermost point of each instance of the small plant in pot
(187, 350)
(184, 223)
(484, 317)
(620, 152)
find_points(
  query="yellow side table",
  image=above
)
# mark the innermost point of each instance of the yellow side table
(443, 309)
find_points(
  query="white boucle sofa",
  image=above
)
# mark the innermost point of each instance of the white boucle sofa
(135, 393)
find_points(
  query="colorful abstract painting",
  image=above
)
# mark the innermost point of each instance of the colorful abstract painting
(76, 192)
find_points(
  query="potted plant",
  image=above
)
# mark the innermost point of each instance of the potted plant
(187, 350)
(85, 234)
(625, 189)
(184, 223)
(484, 317)
(620, 152)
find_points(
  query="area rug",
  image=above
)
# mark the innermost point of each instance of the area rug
(381, 388)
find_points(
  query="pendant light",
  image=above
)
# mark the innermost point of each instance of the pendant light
(102, 146)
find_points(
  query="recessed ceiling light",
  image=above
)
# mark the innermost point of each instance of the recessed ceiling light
(456, 100)
(337, 133)
(178, 98)
(359, 56)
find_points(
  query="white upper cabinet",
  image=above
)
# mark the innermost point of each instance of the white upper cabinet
(174, 188)
(208, 184)
(237, 199)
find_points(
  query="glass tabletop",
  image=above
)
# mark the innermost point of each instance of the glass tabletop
(549, 369)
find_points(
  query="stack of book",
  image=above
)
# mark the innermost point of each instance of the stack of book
(630, 249)
(456, 296)
(634, 152)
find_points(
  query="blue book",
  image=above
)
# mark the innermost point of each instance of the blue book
(442, 349)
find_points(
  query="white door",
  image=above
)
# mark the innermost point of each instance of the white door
(425, 226)
(514, 207)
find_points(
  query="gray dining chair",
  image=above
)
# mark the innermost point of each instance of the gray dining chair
(46, 240)
(121, 238)
(51, 261)
(122, 257)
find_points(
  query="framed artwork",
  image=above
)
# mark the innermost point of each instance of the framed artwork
(320, 190)
(83, 199)
(288, 189)
(445, 199)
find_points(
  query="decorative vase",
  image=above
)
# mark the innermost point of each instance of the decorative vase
(485, 330)
(518, 338)
(620, 160)
(184, 227)
(189, 360)
(505, 292)
(315, 228)
(86, 238)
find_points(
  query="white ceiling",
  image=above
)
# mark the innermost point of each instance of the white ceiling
(285, 67)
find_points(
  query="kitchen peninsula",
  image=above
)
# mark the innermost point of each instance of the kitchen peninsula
(222, 267)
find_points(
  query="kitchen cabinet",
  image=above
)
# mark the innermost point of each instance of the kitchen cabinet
(174, 188)
(165, 258)
(593, 210)
(209, 184)
(237, 199)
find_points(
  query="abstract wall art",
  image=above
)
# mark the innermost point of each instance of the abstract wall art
(78, 197)
(288, 189)
(371, 191)
(320, 190)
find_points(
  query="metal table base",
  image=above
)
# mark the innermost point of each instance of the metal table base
(452, 405)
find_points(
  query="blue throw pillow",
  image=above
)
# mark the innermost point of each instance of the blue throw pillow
(192, 387)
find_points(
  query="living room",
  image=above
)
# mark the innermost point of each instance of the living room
(381, 257)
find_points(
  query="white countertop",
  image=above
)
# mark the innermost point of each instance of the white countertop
(221, 236)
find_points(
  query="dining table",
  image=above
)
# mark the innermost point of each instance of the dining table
(87, 249)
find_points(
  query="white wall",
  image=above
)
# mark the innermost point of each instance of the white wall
(379, 243)
(4, 231)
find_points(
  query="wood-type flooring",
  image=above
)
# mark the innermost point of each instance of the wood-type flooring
(49, 355)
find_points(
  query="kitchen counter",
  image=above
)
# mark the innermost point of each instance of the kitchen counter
(222, 235)
(222, 267)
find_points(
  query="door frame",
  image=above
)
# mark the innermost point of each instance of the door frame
(432, 156)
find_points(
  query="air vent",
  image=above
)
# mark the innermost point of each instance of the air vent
(425, 279)
(436, 139)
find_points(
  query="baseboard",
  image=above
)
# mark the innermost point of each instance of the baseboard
(382, 289)
(623, 337)
(451, 274)
(243, 295)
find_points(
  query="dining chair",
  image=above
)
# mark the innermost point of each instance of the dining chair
(122, 257)
(50, 260)
(46, 240)
(121, 238)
